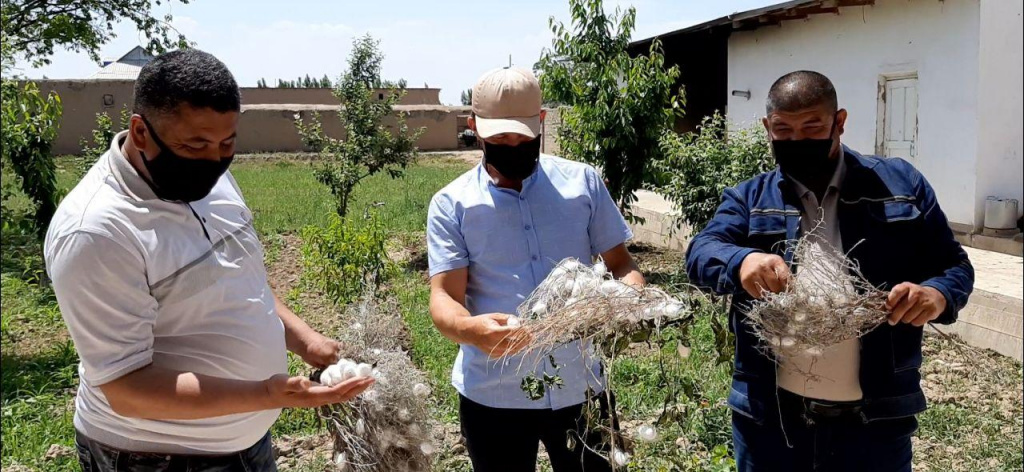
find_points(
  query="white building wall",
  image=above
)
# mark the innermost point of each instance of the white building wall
(1000, 104)
(936, 39)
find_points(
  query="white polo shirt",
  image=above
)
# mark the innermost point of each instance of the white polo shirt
(140, 280)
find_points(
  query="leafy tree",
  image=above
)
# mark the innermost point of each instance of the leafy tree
(699, 166)
(618, 106)
(34, 28)
(325, 82)
(28, 126)
(104, 133)
(370, 146)
(467, 97)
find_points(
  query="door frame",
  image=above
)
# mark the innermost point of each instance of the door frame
(881, 99)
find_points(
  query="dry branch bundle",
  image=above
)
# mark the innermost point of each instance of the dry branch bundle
(827, 301)
(388, 427)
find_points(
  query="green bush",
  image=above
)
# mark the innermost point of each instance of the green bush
(103, 134)
(699, 166)
(343, 259)
(28, 127)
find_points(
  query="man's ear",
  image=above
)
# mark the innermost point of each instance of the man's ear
(138, 132)
(767, 127)
(841, 116)
(471, 123)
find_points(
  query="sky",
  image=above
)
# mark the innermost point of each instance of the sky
(444, 44)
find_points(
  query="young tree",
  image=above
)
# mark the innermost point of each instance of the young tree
(467, 97)
(28, 126)
(325, 82)
(699, 166)
(34, 28)
(370, 146)
(618, 106)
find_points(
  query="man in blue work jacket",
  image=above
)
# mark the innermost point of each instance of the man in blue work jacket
(852, 406)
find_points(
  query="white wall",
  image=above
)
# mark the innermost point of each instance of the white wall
(937, 39)
(1000, 103)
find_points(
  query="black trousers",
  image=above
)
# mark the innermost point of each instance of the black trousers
(506, 440)
(98, 457)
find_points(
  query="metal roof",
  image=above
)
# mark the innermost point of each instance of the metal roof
(117, 70)
(766, 16)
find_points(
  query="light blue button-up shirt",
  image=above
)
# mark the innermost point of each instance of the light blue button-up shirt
(510, 240)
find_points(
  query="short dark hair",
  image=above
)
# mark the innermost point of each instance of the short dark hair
(801, 90)
(187, 76)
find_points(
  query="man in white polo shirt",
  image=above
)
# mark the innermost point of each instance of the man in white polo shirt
(160, 278)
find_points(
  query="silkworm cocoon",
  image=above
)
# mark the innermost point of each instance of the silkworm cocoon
(620, 458)
(814, 351)
(357, 326)
(611, 288)
(788, 341)
(375, 373)
(360, 427)
(421, 390)
(775, 341)
(341, 460)
(376, 352)
(404, 415)
(427, 448)
(568, 286)
(671, 309)
(647, 433)
(539, 309)
(364, 370)
(348, 372)
(333, 374)
(600, 269)
(800, 317)
(513, 322)
(570, 265)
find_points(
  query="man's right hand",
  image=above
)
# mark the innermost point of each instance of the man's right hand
(300, 392)
(491, 334)
(761, 272)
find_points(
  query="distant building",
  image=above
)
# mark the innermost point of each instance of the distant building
(935, 82)
(125, 67)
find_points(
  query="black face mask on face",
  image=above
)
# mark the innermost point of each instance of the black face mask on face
(808, 161)
(513, 162)
(180, 179)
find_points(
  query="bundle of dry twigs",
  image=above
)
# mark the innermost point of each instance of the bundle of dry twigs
(827, 301)
(580, 302)
(584, 303)
(388, 427)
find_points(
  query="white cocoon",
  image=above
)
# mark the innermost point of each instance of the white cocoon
(539, 309)
(512, 322)
(427, 448)
(600, 269)
(348, 372)
(333, 374)
(620, 458)
(364, 370)
(420, 390)
(647, 433)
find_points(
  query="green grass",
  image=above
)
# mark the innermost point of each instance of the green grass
(284, 196)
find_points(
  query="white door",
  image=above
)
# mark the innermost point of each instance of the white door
(900, 133)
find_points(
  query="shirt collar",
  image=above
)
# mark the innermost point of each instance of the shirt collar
(487, 182)
(126, 175)
(834, 185)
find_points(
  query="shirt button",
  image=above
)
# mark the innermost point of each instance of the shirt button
(527, 227)
(534, 257)
(522, 197)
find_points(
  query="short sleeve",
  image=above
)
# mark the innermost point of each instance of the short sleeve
(446, 248)
(607, 226)
(104, 297)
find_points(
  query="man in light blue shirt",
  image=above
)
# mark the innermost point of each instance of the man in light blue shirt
(493, 235)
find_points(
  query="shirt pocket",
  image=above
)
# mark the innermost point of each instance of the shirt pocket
(896, 211)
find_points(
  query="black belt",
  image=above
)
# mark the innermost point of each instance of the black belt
(815, 409)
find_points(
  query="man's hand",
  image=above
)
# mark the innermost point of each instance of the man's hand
(491, 334)
(914, 304)
(300, 392)
(761, 272)
(318, 350)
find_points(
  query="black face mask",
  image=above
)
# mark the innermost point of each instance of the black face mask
(180, 179)
(513, 162)
(808, 161)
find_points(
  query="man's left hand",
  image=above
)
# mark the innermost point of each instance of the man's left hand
(319, 351)
(914, 304)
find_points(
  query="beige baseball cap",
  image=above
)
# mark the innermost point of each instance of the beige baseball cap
(507, 100)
